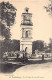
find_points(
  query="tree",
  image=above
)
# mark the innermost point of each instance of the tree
(5, 32)
(7, 13)
(38, 45)
(7, 18)
(11, 45)
(50, 44)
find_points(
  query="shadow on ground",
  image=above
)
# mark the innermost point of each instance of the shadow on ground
(38, 61)
(10, 68)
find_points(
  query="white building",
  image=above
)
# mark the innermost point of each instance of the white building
(26, 32)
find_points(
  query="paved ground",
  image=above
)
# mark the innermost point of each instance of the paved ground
(37, 71)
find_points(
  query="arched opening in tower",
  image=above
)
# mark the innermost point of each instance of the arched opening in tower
(26, 34)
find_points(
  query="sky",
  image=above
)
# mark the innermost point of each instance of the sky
(42, 21)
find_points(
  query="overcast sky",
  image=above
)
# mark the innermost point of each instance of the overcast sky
(42, 22)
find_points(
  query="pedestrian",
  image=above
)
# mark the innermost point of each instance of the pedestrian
(43, 57)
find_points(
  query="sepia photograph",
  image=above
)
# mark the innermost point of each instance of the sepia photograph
(25, 39)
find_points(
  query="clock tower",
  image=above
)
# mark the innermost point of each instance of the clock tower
(26, 32)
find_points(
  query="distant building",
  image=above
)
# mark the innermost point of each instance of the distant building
(26, 32)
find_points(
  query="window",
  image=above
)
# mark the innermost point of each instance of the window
(26, 34)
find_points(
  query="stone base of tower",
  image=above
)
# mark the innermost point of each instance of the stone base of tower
(26, 46)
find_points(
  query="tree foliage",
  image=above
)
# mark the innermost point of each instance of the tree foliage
(7, 18)
(9, 45)
(7, 13)
(38, 45)
(50, 44)
(5, 32)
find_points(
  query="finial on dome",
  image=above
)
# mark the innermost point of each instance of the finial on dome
(26, 9)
